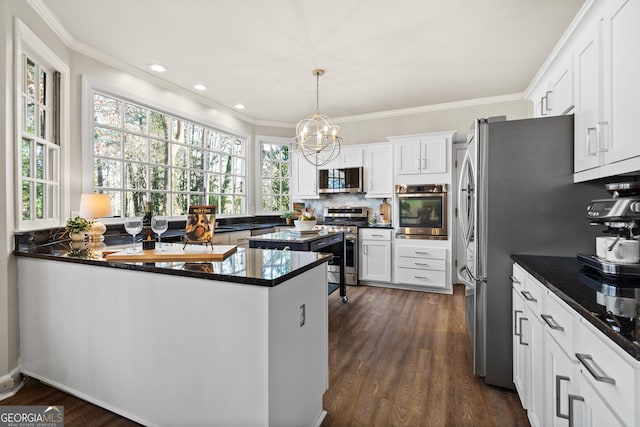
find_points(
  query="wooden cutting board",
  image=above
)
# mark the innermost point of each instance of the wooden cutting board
(176, 253)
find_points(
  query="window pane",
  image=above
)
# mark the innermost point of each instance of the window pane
(179, 180)
(116, 203)
(212, 140)
(197, 159)
(135, 119)
(160, 204)
(177, 127)
(159, 152)
(108, 174)
(43, 124)
(214, 183)
(238, 147)
(212, 162)
(267, 186)
(30, 120)
(225, 144)
(39, 161)
(134, 203)
(225, 163)
(107, 111)
(26, 200)
(159, 125)
(135, 147)
(214, 200)
(39, 200)
(197, 181)
(30, 80)
(238, 205)
(196, 135)
(52, 165)
(238, 166)
(179, 156)
(179, 204)
(159, 178)
(226, 204)
(43, 87)
(196, 199)
(239, 185)
(107, 143)
(135, 176)
(26, 157)
(226, 184)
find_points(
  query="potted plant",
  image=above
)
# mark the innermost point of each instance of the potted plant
(77, 228)
(288, 216)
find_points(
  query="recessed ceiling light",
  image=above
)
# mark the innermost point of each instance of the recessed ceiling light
(159, 68)
(239, 107)
(199, 87)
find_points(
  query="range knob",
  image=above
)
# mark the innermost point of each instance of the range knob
(635, 207)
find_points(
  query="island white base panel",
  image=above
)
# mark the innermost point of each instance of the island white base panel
(173, 351)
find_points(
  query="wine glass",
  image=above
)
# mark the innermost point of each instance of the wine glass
(159, 224)
(133, 227)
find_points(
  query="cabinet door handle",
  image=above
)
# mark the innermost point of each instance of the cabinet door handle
(515, 322)
(591, 153)
(424, 163)
(521, 334)
(573, 398)
(418, 160)
(559, 413)
(595, 371)
(527, 295)
(549, 98)
(551, 322)
(602, 146)
(365, 250)
(514, 280)
(543, 101)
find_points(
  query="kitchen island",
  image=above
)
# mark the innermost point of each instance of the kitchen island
(314, 241)
(243, 341)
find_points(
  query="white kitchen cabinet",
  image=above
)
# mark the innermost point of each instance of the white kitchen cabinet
(239, 238)
(349, 157)
(375, 254)
(420, 266)
(421, 155)
(378, 171)
(304, 178)
(554, 96)
(621, 81)
(578, 372)
(589, 138)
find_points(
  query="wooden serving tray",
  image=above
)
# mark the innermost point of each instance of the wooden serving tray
(177, 253)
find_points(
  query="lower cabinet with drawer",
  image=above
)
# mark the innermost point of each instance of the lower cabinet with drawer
(421, 267)
(582, 377)
(375, 255)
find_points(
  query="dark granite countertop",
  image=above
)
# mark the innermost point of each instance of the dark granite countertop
(576, 285)
(388, 226)
(292, 237)
(248, 266)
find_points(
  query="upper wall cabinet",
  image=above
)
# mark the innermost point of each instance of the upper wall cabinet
(419, 154)
(600, 57)
(349, 157)
(378, 172)
(304, 178)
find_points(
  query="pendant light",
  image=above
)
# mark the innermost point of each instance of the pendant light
(317, 138)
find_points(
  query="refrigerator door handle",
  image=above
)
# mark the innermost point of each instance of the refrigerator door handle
(466, 216)
(466, 270)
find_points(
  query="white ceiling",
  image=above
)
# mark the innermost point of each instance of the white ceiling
(378, 55)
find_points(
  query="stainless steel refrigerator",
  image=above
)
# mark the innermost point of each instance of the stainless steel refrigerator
(515, 195)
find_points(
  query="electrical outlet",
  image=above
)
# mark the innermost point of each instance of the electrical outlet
(6, 384)
(303, 315)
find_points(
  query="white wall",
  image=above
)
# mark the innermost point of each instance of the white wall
(358, 130)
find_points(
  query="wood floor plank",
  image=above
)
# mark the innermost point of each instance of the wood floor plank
(396, 358)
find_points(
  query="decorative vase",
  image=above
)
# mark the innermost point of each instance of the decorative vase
(289, 221)
(77, 237)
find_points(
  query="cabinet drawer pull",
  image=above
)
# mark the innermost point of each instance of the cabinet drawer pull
(551, 322)
(521, 335)
(515, 322)
(421, 253)
(527, 295)
(559, 413)
(514, 280)
(421, 264)
(573, 398)
(421, 277)
(595, 371)
(377, 235)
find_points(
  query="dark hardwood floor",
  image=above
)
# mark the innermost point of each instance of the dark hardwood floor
(396, 358)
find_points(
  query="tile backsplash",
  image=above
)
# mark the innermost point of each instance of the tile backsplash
(344, 199)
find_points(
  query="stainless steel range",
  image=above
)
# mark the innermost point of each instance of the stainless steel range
(346, 219)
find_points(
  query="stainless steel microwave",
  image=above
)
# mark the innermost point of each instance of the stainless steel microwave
(342, 180)
(422, 211)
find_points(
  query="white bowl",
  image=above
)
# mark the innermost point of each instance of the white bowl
(304, 225)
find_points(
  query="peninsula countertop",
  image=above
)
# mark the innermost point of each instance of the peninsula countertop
(262, 267)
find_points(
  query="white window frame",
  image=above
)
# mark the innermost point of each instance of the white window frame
(90, 86)
(262, 139)
(27, 43)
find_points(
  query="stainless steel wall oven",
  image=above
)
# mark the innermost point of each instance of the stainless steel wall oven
(422, 211)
